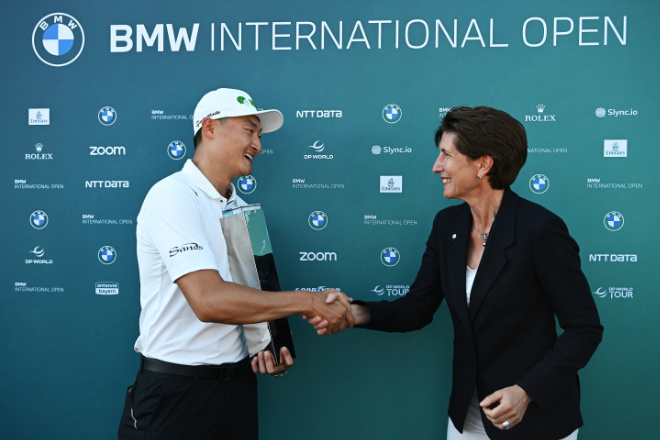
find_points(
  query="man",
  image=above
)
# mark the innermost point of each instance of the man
(195, 379)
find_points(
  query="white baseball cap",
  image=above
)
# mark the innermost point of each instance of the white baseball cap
(230, 103)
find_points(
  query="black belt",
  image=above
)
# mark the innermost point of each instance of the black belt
(228, 371)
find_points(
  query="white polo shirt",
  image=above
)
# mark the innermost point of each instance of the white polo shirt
(179, 232)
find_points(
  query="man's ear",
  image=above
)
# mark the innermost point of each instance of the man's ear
(208, 128)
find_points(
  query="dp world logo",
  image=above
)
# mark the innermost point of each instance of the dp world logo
(318, 220)
(107, 255)
(58, 39)
(389, 256)
(613, 221)
(176, 150)
(392, 113)
(247, 184)
(316, 147)
(107, 116)
(378, 290)
(38, 251)
(539, 184)
(600, 292)
(39, 219)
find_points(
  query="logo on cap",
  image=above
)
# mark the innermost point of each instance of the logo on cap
(244, 100)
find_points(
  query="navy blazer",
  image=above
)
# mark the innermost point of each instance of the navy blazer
(528, 275)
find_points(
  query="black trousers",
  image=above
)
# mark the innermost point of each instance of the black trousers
(166, 406)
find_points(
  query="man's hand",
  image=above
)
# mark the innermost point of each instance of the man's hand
(332, 312)
(264, 363)
(360, 313)
(513, 402)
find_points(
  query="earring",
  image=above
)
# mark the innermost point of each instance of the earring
(478, 177)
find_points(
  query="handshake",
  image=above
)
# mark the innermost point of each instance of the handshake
(331, 312)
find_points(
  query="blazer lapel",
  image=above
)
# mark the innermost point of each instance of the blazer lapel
(493, 260)
(456, 256)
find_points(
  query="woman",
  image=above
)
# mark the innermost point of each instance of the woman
(506, 268)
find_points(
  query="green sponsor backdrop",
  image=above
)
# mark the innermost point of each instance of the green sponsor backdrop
(580, 76)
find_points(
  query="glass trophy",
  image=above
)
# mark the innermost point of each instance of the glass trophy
(251, 264)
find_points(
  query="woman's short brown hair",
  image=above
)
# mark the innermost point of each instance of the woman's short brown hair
(485, 131)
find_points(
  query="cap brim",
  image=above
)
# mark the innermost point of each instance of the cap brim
(271, 120)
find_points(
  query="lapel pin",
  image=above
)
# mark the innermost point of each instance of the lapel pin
(453, 236)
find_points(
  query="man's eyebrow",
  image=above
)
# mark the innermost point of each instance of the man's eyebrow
(253, 124)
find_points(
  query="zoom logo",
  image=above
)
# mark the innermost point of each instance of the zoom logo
(318, 256)
(117, 150)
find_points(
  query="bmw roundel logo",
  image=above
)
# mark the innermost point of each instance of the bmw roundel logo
(39, 219)
(613, 221)
(392, 113)
(539, 184)
(318, 220)
(107, 116)
(107, 255)
(58, 39)
(247, 184)
(176, 150)
(389, 256)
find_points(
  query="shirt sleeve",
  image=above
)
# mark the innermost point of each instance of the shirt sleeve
(171, 223)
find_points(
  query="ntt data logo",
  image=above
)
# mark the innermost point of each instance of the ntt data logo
(318, 220)
(392, 113)
(107, 116)
(39, 219)
(107, 255)
(58, 39)
(176, 150)
(390, 257)
(613, 221)
(247, 184)
(539, 184)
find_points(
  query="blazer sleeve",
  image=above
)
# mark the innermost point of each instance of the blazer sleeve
(557, 264)
(416, 309)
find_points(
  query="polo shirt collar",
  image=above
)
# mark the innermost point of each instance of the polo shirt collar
(200, 181)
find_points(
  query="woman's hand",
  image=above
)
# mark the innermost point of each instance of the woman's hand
(511, 404)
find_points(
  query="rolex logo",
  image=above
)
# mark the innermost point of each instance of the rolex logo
(540, 108)
(39, 147)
